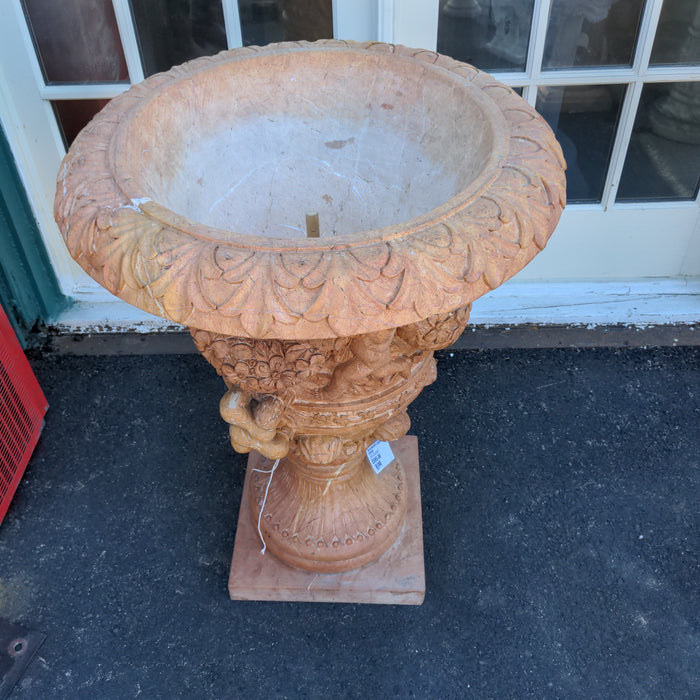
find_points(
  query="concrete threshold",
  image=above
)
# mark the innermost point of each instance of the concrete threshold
(179, 342)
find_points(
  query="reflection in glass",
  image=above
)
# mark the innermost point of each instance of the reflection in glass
(174, 31)
(678, 33)
(591, 33)
(76, 41)
(584, 119)
(490, 34)
(663, 158)
(73, 115)
(267, 21)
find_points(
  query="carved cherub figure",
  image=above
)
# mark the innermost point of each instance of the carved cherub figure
(253, 424)
(372, 359)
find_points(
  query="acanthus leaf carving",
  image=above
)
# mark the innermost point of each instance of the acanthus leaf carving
(371, 261)
(339, 296)
(439, 265)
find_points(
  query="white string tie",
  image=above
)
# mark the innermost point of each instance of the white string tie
(271, 472)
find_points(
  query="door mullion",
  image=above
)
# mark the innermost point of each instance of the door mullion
(586, 76)
(622, 139)
(232, 20)
(533, 64)
(386, 21)
(645, 39)
(672, 74)
(29, 44)
(130, 44)
(33, 57)
(540, 19)
(92, 91)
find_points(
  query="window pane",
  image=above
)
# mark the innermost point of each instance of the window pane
(174, 31)
(663, 158)
(490, 34)
(591, 33)
(76, 41)
(267, 21)
(73, 115)
(678, 34)
(584, 119)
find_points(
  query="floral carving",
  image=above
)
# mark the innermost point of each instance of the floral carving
(437, 331)
(273, 367)
(282, 367)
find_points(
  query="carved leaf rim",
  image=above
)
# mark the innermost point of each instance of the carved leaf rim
(150, 257)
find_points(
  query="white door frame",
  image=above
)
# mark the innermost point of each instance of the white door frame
(608, 246)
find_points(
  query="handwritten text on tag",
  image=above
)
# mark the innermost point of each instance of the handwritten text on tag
(379, 455)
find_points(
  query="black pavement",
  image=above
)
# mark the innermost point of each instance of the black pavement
(561, 506)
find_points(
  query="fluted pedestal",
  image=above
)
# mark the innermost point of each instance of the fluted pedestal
(325, 518)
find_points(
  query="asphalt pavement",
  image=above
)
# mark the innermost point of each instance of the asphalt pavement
(561, 507)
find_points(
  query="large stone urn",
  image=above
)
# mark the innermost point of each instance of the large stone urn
(187, 196)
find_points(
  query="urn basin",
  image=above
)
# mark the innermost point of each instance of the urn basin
(433, 183)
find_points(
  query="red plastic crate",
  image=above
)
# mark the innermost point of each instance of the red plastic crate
(22, 410)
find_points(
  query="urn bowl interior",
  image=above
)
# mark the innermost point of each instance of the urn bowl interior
(367, 140)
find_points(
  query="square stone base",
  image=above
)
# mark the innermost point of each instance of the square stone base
(397, 577)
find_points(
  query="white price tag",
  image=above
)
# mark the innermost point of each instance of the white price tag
(379, 455)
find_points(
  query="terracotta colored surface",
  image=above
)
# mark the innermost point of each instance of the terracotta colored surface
(187, 196)
(396, 577)
(500, 207)
(318, 406)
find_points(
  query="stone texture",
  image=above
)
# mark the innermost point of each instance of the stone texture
(433, 182)
(397, 577)
(491, 190)
(318, 406)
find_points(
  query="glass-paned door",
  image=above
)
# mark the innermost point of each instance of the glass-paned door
(61, 62)
(619, 83)
(84, 44)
